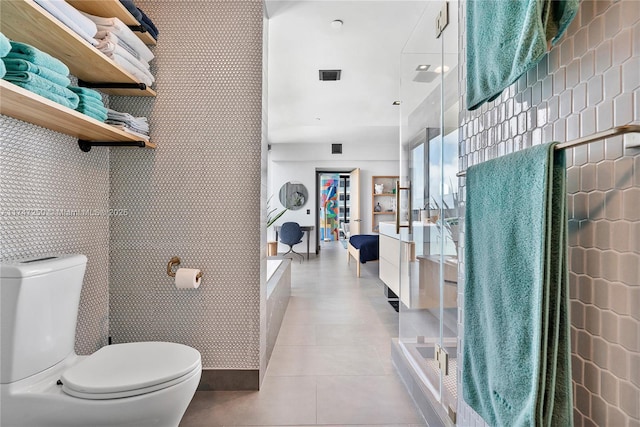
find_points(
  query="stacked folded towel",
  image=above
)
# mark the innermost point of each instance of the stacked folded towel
(142, 18)
(124, 55)
(39, 73)
(71, 17)
(148, 25)
(5, 47)
(90, 103)
(134, 125)
(119, 43)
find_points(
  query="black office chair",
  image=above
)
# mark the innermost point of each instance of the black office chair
(291, 235)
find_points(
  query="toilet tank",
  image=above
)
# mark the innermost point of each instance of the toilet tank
(39, 300)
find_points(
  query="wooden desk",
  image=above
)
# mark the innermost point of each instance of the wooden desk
(307, 230)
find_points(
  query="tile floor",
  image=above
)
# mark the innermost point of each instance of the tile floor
(332, 362)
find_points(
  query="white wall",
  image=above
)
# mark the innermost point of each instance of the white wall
(299, 162)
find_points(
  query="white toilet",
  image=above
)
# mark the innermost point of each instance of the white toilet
(45, 384)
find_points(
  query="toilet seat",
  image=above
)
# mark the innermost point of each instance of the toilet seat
(131, 369)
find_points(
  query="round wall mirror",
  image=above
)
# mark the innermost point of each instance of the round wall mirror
(293, 195)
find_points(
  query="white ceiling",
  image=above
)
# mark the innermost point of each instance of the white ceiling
(303, 109)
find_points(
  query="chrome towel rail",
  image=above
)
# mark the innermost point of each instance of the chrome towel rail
(615, 131)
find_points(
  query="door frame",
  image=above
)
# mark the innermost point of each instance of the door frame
(319, 172)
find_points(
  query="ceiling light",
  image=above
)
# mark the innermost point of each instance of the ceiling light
(422, 67)
(336, 24)
(440, 69)
(396, 103)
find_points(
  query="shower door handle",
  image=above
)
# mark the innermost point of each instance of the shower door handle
(398, 189)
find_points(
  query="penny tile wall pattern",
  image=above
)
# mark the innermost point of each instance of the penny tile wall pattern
(587, 83)
(54, 199)
(198, 195)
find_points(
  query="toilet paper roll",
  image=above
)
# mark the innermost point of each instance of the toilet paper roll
(186, 278)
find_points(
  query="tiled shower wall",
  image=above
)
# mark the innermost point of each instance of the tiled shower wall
(47, 187)
(197, 196)
(590, 82)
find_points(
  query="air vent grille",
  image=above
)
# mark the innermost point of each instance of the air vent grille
(336, 148)
(330, 75)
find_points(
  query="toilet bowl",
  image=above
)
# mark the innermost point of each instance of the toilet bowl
(44, 383)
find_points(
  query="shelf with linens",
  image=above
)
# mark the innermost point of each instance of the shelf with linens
(112, 8)
(383, 199)
(24, 105)
(25, 21)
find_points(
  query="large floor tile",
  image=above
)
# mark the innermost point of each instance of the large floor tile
(281, 401)
(365, 400)
(325, 360)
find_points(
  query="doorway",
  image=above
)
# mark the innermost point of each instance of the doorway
(337, 195)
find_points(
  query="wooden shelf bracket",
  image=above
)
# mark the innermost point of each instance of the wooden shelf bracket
(86, 145)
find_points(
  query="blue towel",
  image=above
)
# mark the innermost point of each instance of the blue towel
(86, 92)
(147, 23)
(43, 87)
(37, 57)
(506, 38)
(3, 70)
(131, 7)
(5, 46)
(516, 345)
(15, 64)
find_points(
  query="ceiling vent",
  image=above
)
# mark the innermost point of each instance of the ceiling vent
(336, 148)
(330, 75)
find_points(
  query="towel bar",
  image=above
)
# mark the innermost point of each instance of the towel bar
(615, 131)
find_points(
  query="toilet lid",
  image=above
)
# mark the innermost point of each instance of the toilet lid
(129, 369)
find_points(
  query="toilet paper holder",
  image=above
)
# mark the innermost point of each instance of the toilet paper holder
(174, 262)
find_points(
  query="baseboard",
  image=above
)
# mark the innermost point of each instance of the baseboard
(229, 379)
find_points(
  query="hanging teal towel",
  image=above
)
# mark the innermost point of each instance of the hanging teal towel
(516, 343)
(37, 57)
(505, 38)
(15, 64)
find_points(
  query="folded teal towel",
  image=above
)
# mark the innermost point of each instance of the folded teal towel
(90, 102)
(15, 64)
(506, 38)
(86, 92)
(97, 111)
(37, 57)
(42, 86)
(516, 346)
(5, 46)
(93, 112)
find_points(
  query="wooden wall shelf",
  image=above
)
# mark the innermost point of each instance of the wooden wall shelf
(25, 21)
(111, 8)
(21, 104)
(386, 199)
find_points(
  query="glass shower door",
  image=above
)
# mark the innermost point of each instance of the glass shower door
(428, 164)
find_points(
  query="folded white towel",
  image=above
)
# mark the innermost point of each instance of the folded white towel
(131, 131)
(123, 32)
(105, 37)
(119, 51)
(71, 17)
(141, 76)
